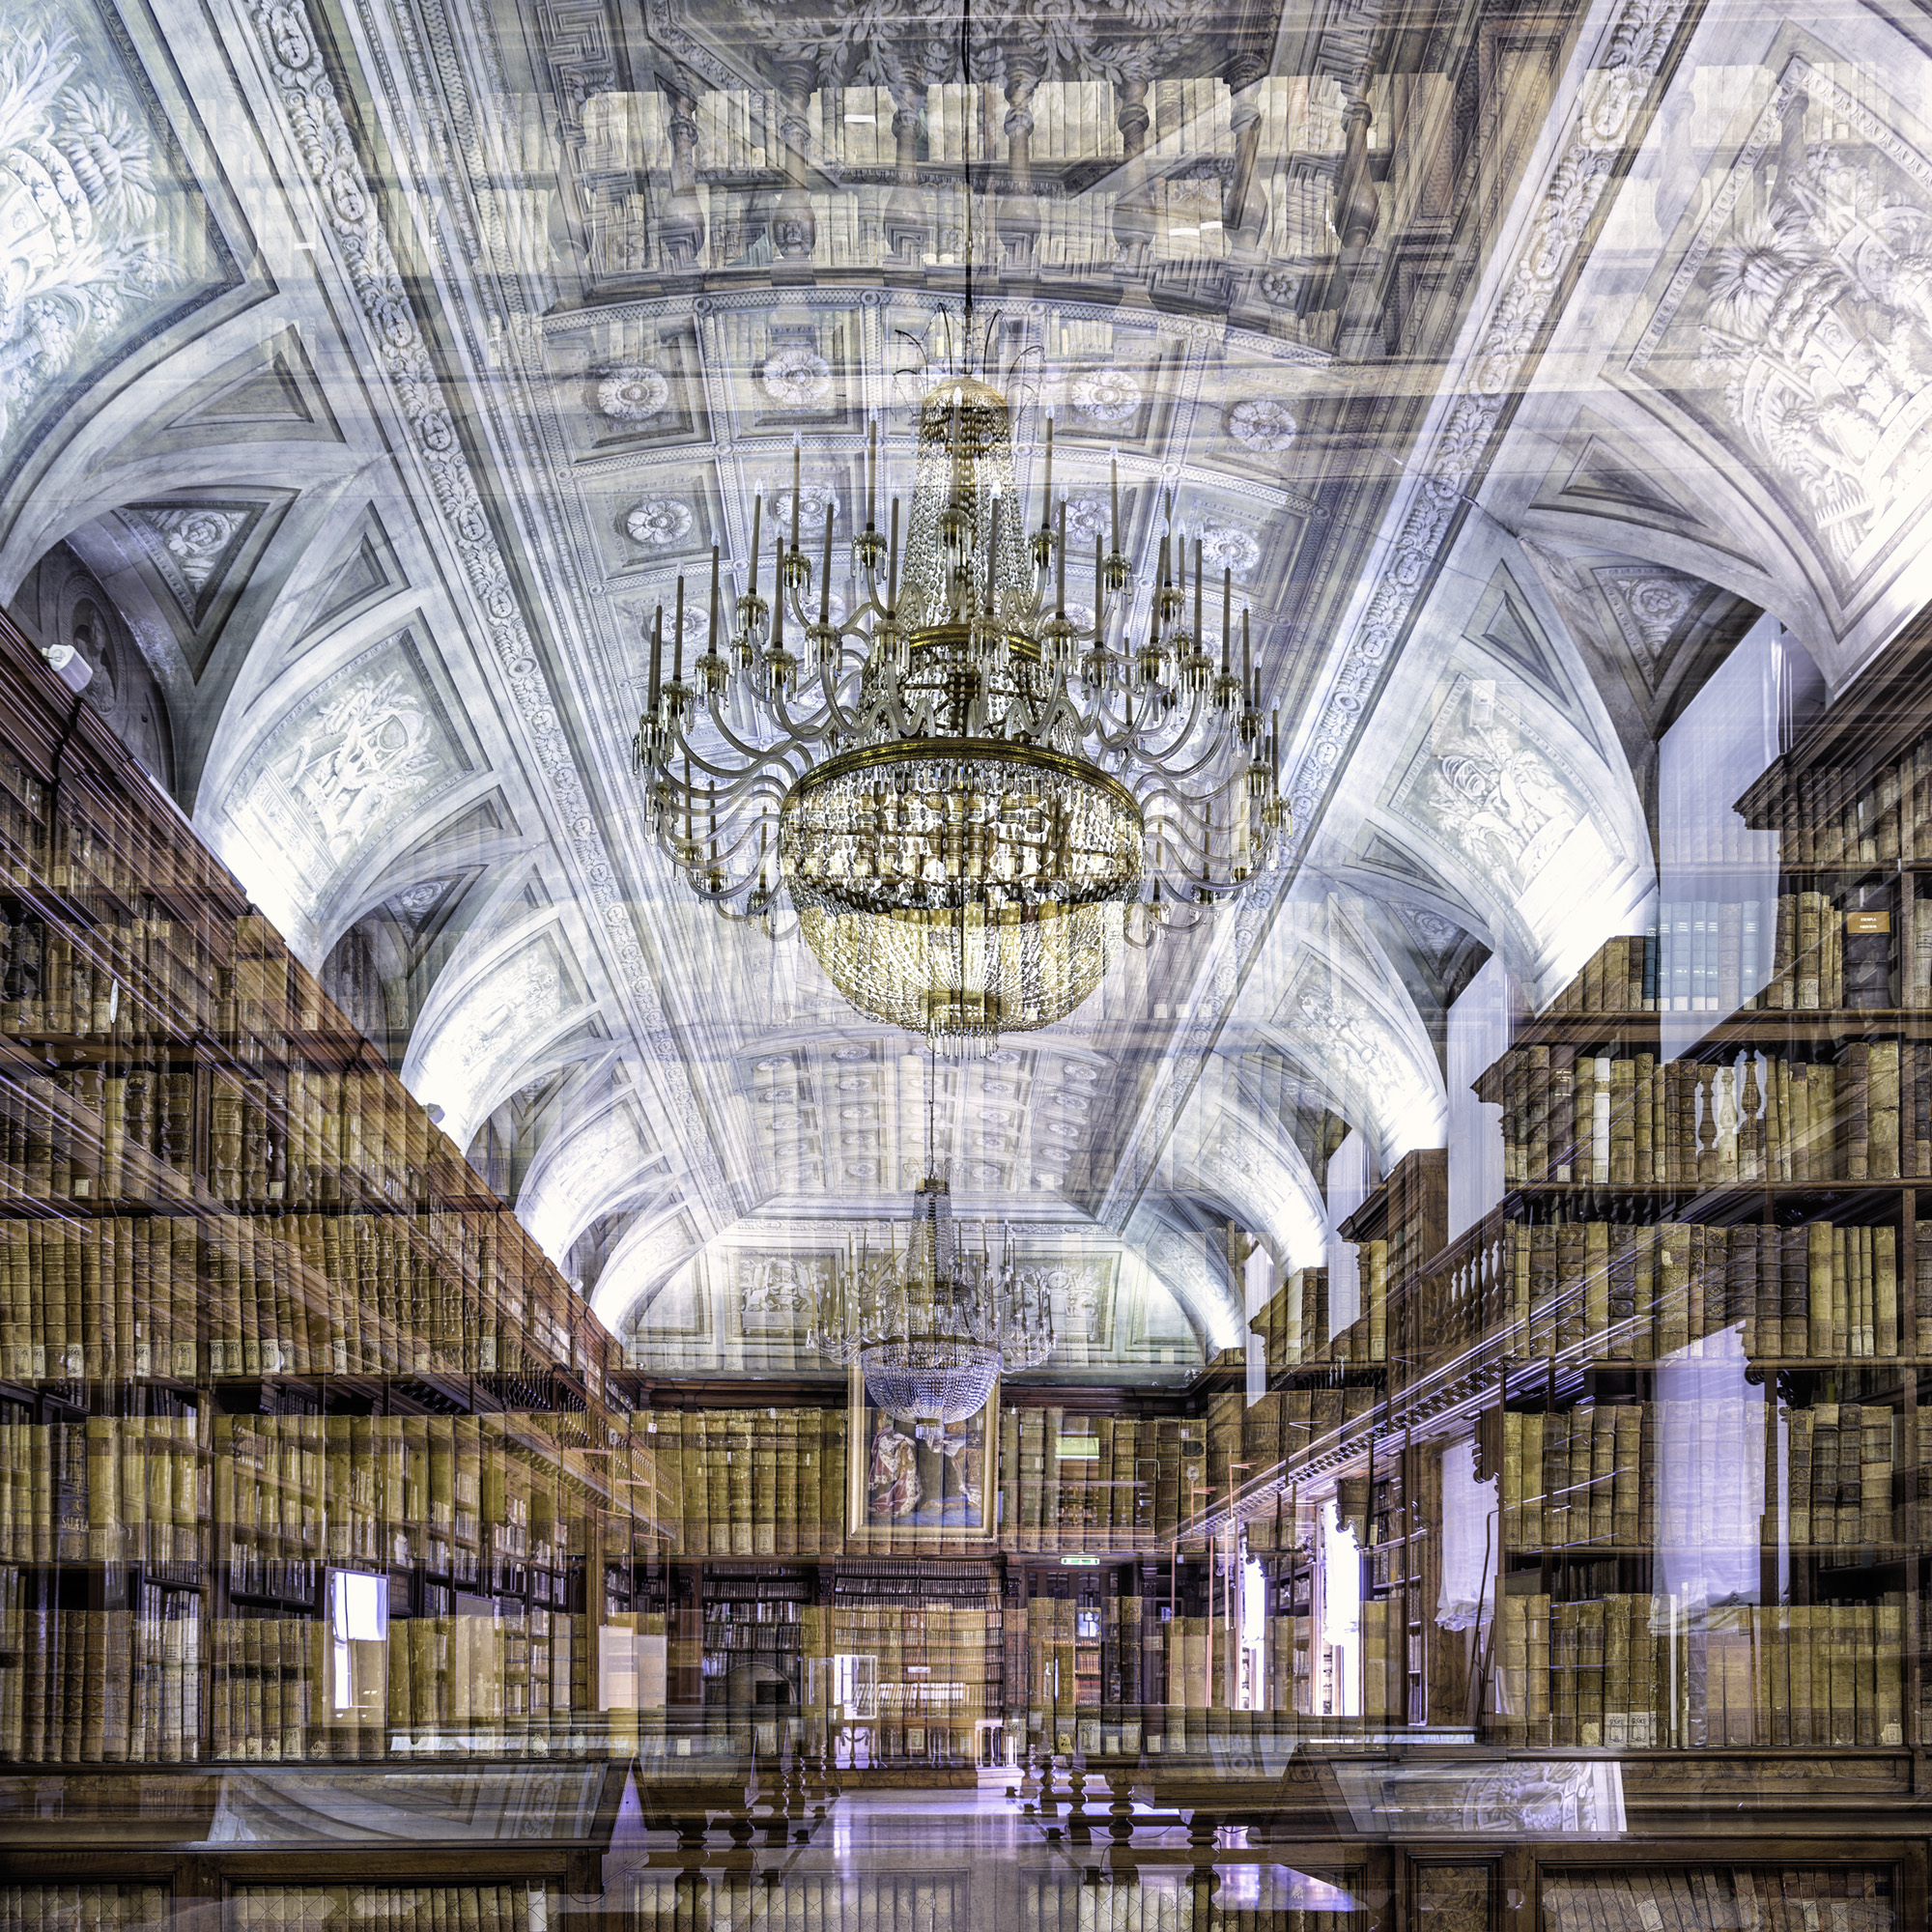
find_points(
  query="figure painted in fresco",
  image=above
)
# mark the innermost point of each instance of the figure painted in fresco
(894, 1481)
(963, 1481)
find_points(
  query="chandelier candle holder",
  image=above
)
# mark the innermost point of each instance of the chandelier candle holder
(967, 797)
(931, 1324)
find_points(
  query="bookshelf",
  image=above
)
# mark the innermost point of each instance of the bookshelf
(310, 1453)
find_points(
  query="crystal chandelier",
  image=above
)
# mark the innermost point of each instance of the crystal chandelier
(962, 790)
(967, 793)
(931, 1324)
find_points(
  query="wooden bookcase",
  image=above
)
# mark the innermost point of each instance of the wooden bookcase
(310, 1452)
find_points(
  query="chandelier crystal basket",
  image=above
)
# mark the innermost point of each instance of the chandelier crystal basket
(931, 1324)
(967, 796)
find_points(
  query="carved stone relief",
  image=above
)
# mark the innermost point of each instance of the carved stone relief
(1490, 786)
(1262, 424)
(1649, 603)
(1797, 325)
(101, 234)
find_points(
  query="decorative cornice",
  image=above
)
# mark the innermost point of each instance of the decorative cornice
(1618, 90)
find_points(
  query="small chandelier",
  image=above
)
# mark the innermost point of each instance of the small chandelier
(931, 1324)
(962, 790)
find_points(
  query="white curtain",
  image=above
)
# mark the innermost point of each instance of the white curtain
(1709, 1474)
(1352, 1178)
(1342, 1608)
(1717, 878)
(1468, 1542)
(1481, 1022)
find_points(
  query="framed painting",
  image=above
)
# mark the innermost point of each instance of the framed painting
(930, 1485)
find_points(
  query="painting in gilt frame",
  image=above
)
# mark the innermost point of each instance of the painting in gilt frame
(922, 1489)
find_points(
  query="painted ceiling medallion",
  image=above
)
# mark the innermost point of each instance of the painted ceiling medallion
(1107, 395)
(1262, 424)
(658, 522)
(796, 377)
(633, 393)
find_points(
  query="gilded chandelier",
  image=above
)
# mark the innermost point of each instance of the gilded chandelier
(967, 793)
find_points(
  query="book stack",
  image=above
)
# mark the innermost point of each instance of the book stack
(1609, 1119)
(367, 1907)
(929, 1900)
(55, 1908)
(1635, 1898)
(217, 1209)
(1604, 1290)
(1603, 1672)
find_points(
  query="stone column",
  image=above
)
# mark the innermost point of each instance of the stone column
(1241, 213)
(681, 231)
(1133, 211)
(1019, 210)
(794, 227)
(908, 230)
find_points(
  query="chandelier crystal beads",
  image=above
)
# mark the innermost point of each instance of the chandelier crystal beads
(967, 795)
(931, 1324)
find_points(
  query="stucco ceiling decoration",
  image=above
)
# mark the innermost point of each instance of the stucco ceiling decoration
(380, 608)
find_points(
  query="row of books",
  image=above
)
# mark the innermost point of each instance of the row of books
(1631, 1476)
(1803, 951)
(1634, 1120)
(105, 1489)
(798, 1901)
(1385, 1660)
(1849, 816)
(266, 1693)
(1296, 1325)
(1288, 1662)
(124, 1129)
(497, 1675)
(1833, 952)
(110, 1296)
(369, 1905)
(1172, 1901)
(1693, 1899)
(1815, 1292)
(101, 1686)
(1837, 1489)
(396, 1490)
(1625, 1670)
(758, 1482)
(83, 1908)
(114, 1296)
(773, 1482)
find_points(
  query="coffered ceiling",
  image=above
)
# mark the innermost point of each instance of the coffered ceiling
(369, 373)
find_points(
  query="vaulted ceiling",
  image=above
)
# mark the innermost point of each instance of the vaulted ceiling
(370, 372)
